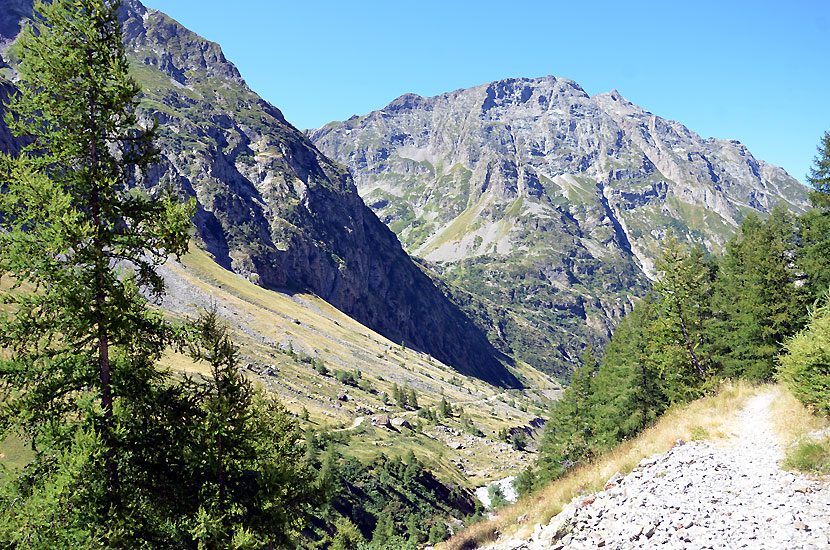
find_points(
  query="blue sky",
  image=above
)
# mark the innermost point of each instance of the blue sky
(754, 71)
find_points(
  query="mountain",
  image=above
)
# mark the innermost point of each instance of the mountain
(271, 207)
(539, 199)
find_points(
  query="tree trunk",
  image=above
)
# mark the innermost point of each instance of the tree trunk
(689, 346)
(105, 372)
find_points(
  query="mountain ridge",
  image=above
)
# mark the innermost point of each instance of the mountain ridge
(534, 184)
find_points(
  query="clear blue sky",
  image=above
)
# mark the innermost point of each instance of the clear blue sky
(757, 71)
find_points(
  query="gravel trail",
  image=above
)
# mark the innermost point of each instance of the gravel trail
(699, 496)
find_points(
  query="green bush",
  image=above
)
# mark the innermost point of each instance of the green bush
(497, 500)
(519, 441)
(805, 367)
(320, 367)
(438, 533)
(347, 537)
(345, 377)
(698, 433)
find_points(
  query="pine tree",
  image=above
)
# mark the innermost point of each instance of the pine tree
(311, 451)
(81, 239)
(347, 536)
(401, 397)
(226, 398)
(761, 300)
(680, 340)
(445, 409)
(814, 226)
(568, 438)
(629, 394)
(384, 530)
(819, 176)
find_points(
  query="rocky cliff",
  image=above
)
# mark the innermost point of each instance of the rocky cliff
(271, 207)
(545, 203)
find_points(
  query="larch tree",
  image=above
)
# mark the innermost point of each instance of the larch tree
(814, 225)
(680, 339)
(82, 236)
(629, 395)
(568, 438)
(759, 294)
(819, 176)
(254, 483)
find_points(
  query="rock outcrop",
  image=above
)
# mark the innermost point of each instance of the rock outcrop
(271, 207)
(537, 198)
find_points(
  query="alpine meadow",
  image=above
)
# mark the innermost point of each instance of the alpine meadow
(513, 315)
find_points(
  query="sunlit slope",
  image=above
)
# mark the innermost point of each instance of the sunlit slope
(285, 338)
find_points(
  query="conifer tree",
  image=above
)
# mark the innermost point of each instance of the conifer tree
(444, 408)
(681, 338)
(384, 530)
(761, 300)
(629, 394)
(814, 225)
(819, 176)
(805, 367)
(82, 236)
(568, 438)
(252, 479)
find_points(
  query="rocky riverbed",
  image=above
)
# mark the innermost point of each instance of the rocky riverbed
(699, 496)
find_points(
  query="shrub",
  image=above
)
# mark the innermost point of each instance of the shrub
(438, 533)
(320, 367)
(345, 377)
(496, 495)
(805, 367)
(698, 433)
(347, 537)
(518, 440)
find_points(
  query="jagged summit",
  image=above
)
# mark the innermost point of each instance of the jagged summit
(548, 201)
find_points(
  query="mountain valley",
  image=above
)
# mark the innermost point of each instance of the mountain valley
(428, 292)
(270, 207)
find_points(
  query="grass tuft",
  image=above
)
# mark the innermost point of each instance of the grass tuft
(810, 457)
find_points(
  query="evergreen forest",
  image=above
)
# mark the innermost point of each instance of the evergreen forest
(758, 312)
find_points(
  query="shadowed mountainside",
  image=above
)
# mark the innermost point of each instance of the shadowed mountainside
(271, 207)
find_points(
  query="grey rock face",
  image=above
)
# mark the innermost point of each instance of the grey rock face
(536, 197)
(271, 207)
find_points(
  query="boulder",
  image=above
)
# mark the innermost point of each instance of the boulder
(381, 421)
(401, 423)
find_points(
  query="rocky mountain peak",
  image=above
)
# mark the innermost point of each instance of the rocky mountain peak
(185, 57)
(571, 195)
(404, 103)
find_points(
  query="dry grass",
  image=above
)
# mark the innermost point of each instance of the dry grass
(265, 322)
(791, 420)
(711, 417)
(798, 430)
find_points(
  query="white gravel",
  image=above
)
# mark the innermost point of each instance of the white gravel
(699, 496)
